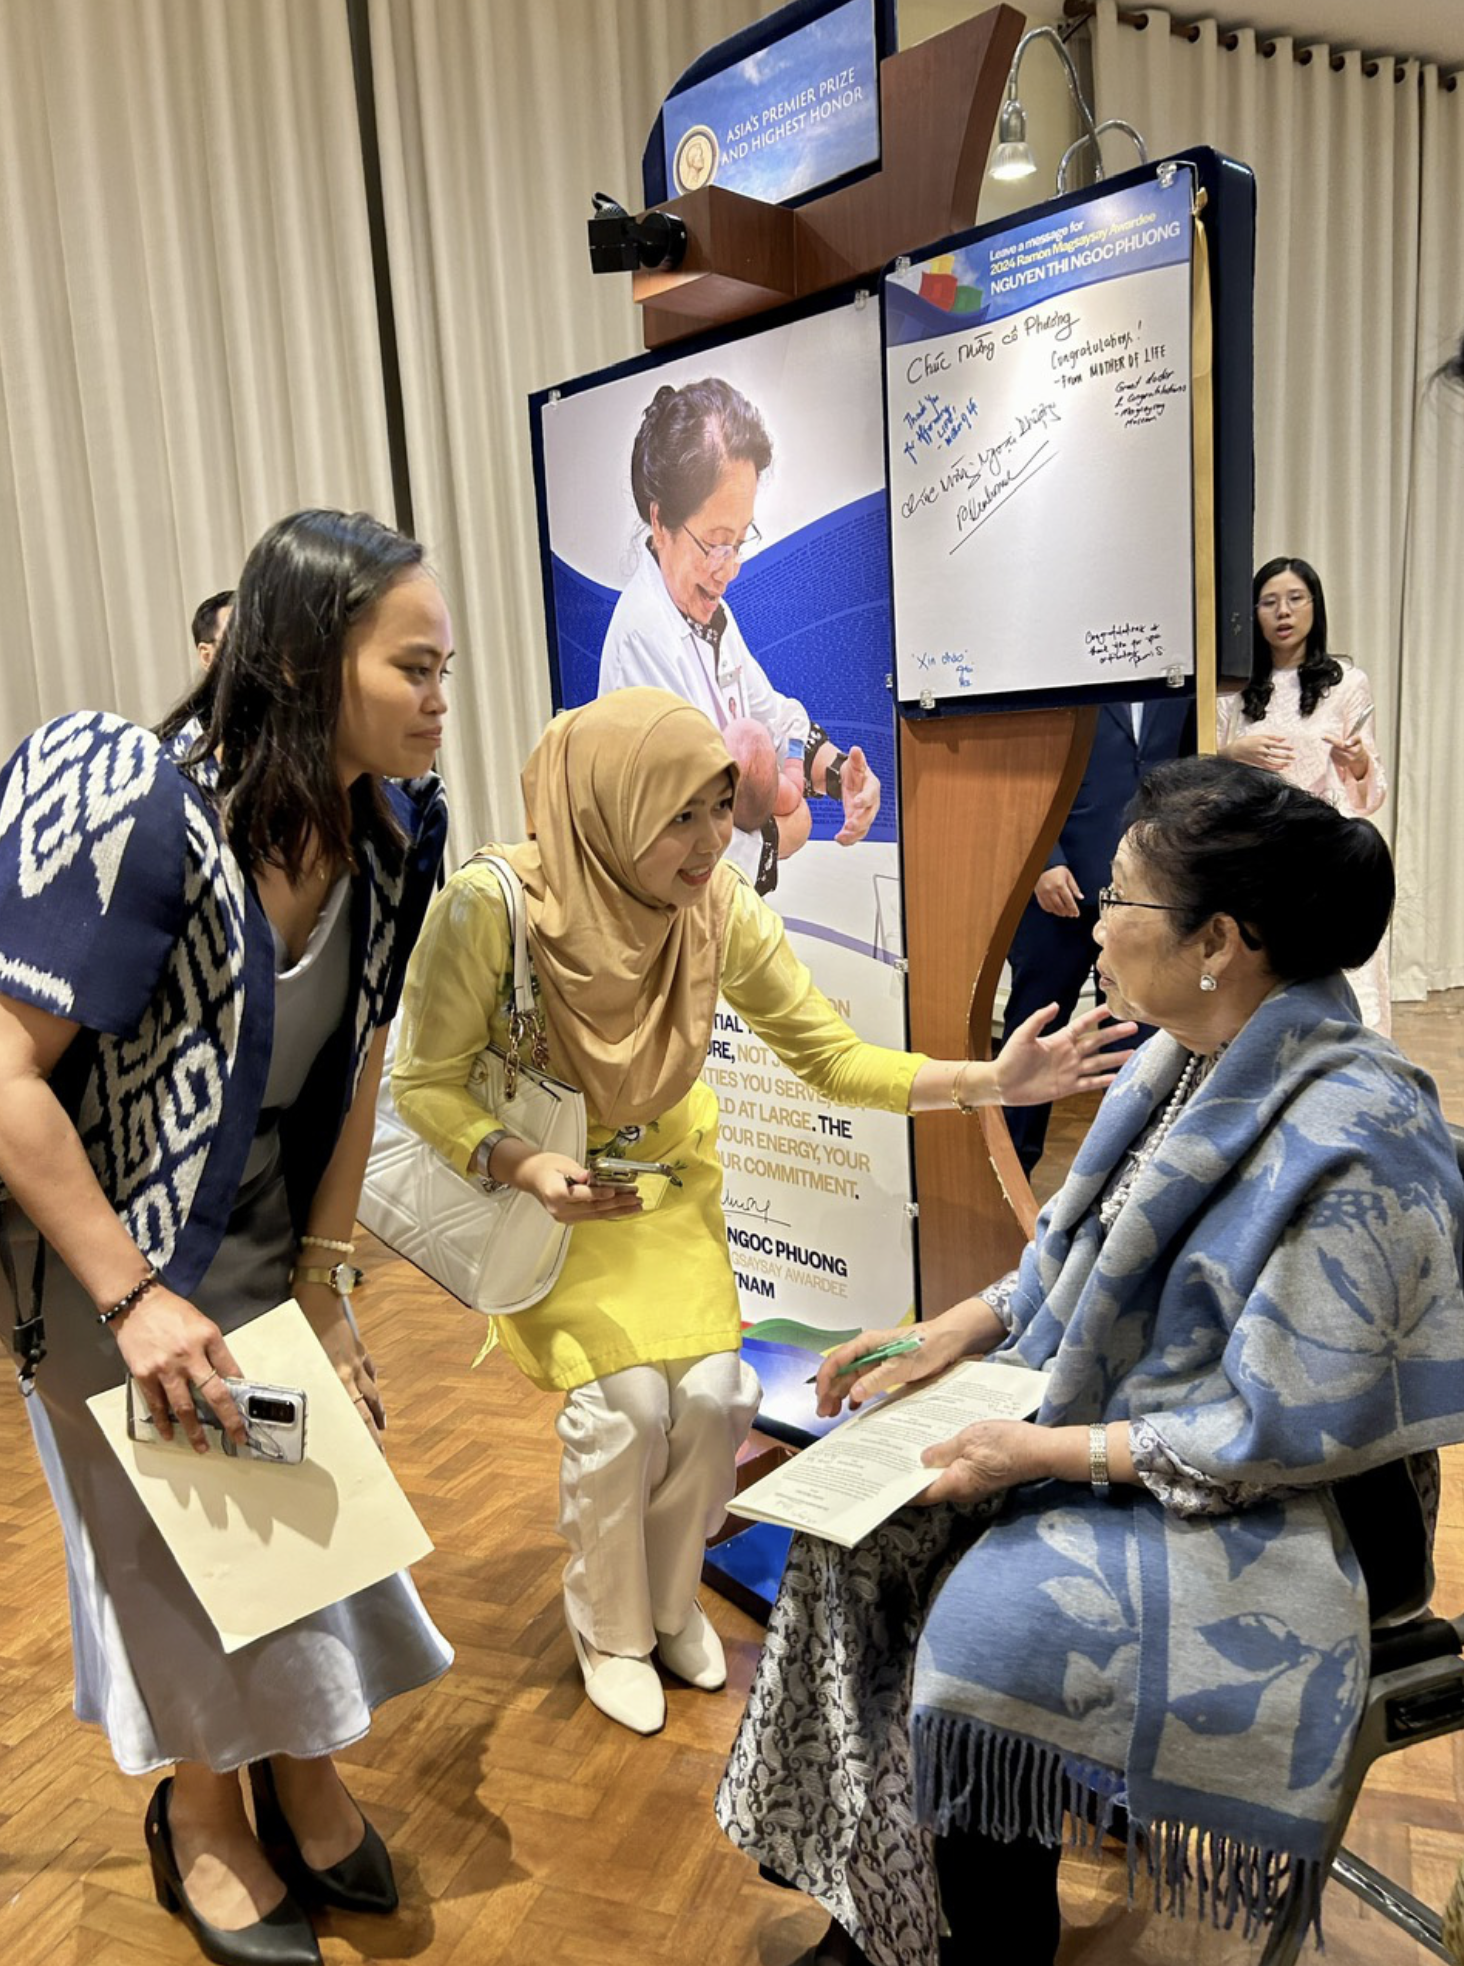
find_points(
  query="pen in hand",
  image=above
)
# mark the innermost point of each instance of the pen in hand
(894, 1349)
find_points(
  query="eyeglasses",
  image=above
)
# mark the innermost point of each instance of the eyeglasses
(718, 557)
(1271, 602)
(1109, 897)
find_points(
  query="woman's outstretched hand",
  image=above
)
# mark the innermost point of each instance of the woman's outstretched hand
(1033, 1070)
(170, 1349)
(567, 1190)
(861, 797)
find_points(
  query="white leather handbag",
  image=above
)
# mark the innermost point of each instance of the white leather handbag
(496, 1251)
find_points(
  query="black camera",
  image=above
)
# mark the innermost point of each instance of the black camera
(620, 243)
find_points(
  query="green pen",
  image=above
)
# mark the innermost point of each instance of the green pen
(894, 1349)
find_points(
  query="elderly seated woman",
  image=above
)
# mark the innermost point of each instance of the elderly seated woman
(1247, 1291)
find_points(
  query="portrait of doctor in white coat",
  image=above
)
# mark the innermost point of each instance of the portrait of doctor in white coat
(698, 458)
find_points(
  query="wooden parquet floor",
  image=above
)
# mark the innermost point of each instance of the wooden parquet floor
(528, 1830)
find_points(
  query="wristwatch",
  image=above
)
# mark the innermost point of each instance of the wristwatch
(342, 1278)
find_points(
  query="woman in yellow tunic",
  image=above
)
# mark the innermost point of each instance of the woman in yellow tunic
(634, 927)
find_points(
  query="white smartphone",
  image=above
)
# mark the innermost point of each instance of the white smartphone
(274, 1420)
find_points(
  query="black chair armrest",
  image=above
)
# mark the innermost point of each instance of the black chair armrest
(1410, 1644)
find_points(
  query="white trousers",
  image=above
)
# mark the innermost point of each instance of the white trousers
(649, 1466)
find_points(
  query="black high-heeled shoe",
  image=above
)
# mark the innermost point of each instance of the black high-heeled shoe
(283, 1937)
(361, 1882)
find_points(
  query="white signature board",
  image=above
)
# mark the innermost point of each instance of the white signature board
(1037, 401)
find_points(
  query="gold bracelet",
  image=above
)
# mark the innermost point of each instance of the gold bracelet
(956, 1100)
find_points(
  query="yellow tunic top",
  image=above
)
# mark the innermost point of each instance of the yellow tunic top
(653, 1286)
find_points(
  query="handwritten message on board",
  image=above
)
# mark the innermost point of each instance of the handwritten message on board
(1037, 397)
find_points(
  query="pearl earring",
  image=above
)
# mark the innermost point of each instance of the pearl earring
(1208, 982)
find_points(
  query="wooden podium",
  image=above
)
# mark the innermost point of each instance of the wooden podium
(983, 796)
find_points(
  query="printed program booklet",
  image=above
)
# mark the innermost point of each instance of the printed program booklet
(848, 1483)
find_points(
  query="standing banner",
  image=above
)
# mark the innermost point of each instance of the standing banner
(786, 647)
(1038, 380)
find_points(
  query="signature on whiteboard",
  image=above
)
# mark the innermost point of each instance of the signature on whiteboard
(1138, 400)
(1130, 642)
(973, 513)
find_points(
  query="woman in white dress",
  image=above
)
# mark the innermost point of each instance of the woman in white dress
(1309, 717)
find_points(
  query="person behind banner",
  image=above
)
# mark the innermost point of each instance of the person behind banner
(695, 466)
(210, 619)
(634, 926)
(199, 968)
(1304, 715)
(1052, 953)
(1246, 1301)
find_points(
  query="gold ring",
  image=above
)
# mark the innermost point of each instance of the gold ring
(208, 1381)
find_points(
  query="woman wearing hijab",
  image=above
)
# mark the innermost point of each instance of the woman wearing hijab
(635, 925)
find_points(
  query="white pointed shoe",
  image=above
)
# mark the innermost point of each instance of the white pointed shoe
(695, 1652)
(627, 1690)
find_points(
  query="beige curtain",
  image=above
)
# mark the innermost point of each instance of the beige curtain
(1428, 937)
(188, 342)
(1358, 194)
(497, 122)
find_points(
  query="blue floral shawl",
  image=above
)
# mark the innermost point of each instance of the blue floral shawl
(123, 910)
(1280, 1296)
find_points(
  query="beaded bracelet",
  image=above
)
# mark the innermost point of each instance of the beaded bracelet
(122, 1304)
(328, 1242)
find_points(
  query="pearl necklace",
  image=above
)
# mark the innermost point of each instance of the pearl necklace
(1141, 1156)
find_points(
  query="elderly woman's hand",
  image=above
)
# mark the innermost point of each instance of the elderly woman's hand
(980, 1460)
(839, 1379)
(1033, 1070)
(860, 790)
(966, 1330)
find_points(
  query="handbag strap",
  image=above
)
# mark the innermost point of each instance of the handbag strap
(29, 1334)
(518, 920)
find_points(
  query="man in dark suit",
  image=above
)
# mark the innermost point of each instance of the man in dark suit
(1053, 950)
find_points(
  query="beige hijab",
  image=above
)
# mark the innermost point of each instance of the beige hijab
(629, 983)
